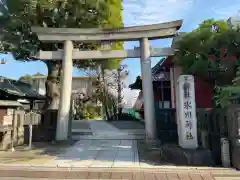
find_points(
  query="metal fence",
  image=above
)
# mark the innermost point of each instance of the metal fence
(166, 126)
(210, 122)
(213, 123)
(32, 118)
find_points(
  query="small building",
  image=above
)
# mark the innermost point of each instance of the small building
(7, 124)
(14, 90)
(161, 86)
(165, 75)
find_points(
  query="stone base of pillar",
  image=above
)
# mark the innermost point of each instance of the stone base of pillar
(50, 124)
(236, 153)
(178, 156)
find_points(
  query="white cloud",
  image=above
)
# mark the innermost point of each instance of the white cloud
(142, 12)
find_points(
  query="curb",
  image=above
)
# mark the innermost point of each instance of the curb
(49, 172)
(22, 167)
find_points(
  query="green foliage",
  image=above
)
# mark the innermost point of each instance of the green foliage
(91, 112)
(38, 74)
(200, 53)
(27, 79)
(16, 23)
(224, 95)
(197, 47)
(208, 24)
(114, 21)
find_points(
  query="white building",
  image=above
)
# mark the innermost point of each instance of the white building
(79, 84)
(84, 84)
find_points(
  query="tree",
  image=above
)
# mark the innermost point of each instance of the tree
(114, 20)
(108, 89)
(199, 51)
(118, 76)
(18, 38)
(210, 51)
(26, 79)
(38, 74)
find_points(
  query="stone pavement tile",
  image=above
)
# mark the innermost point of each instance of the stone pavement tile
(70, 163)
(195, 176)
(161, 176)
(145, 165)
(116, 175)
(27, 161)
(107, 158)
(130, 156)
(120, 164)
(149, 176)
(124, 158)
(123, 152)
(82, 163)
(184, 176)
(172, 176)
(107, 153)
(138, 176)
(127, 143)
(207, 177)
(101, 164)
(127, 175)
(82, 175)
(62, 163)
(105, 175)
(83, 143)
(93, 175)
(227, 178)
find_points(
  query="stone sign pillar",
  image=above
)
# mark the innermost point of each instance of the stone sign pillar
(186, 112)
(147, 87)
(65, 93)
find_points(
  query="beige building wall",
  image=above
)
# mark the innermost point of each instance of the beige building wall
(79, 84)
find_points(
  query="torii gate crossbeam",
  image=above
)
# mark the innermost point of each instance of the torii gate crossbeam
(141, 33)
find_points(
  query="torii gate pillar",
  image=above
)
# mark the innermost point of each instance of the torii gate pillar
(65, 93)
(142, 33)
(147, 88)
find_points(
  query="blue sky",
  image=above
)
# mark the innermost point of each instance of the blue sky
(142, 12)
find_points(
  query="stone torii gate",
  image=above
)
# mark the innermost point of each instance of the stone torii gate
(135, 33)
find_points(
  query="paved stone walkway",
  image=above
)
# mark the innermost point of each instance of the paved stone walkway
(98, 130)
(99, 153)
(105, 152)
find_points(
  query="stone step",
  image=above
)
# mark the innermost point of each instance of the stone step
(109, 137)
(123, 132)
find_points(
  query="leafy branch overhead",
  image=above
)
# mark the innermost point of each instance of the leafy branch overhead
(212, 52)
(17, 38)
(201, 51)
(16, 23)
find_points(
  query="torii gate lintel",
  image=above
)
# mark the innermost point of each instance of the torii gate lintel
(141, 33)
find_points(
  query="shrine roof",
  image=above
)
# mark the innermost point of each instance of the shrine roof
(20, 89)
